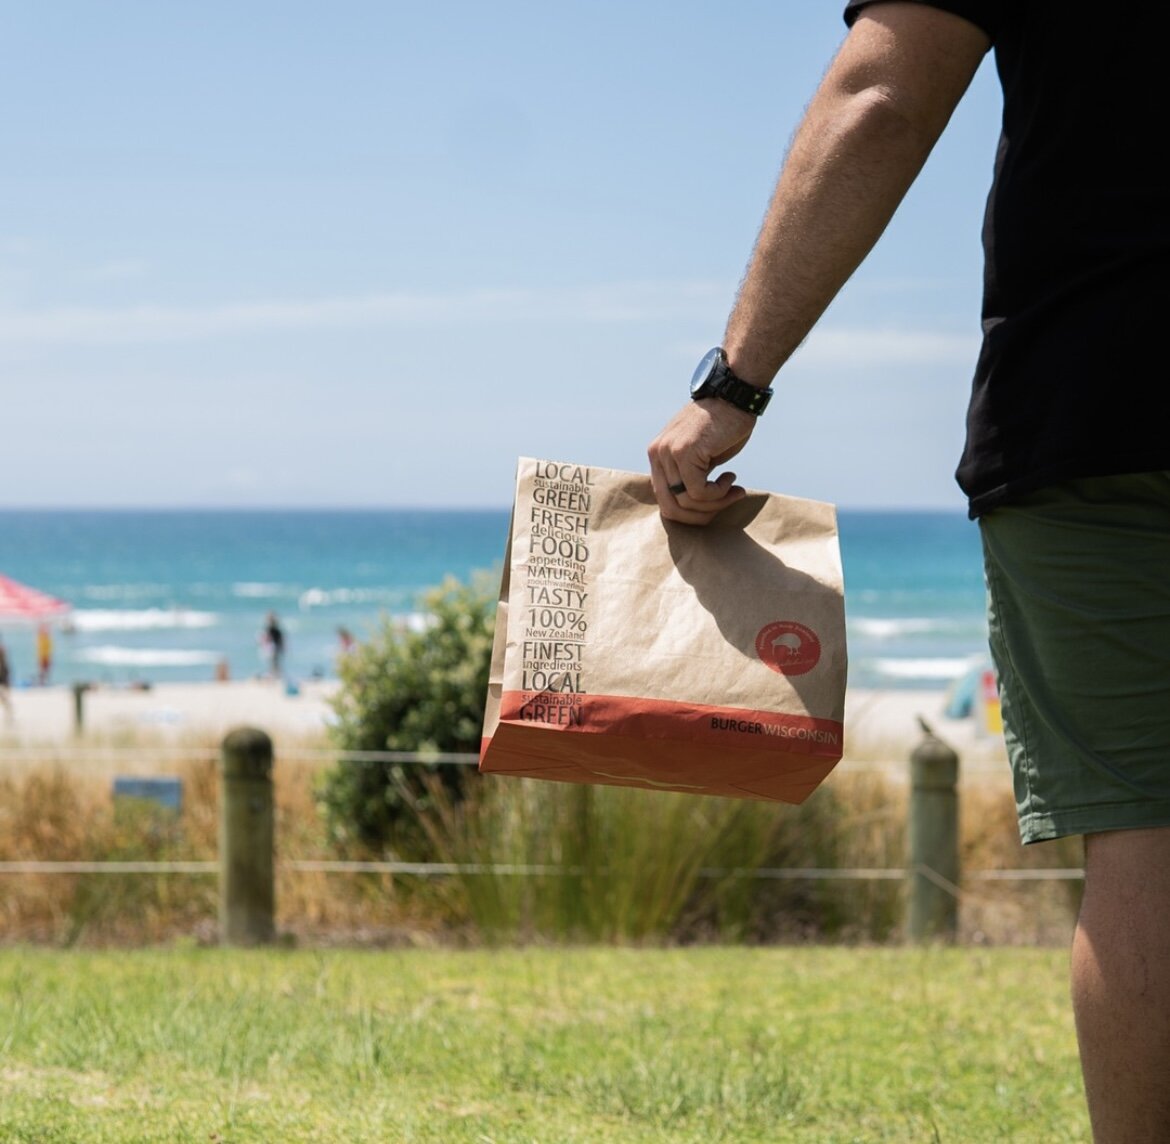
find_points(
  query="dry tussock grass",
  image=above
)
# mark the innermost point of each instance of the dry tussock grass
(60, 811)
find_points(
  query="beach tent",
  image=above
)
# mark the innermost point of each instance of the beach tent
(20, 603)
(964, 693)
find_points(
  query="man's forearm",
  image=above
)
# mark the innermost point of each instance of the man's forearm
(867, 132)
(845, 175)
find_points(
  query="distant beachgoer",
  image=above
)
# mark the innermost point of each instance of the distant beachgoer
(272, 639)
(345, 640)
(5, 682)
(44, 654)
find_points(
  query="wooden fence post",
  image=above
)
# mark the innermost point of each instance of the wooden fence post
(247, 890)
(79, 690)
(934, 840)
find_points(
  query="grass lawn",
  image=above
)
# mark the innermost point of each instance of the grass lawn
(811, 1044)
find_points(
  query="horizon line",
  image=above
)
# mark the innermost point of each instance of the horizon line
(356, 508)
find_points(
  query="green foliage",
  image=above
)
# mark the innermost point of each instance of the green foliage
(553, 861)
(405, 690)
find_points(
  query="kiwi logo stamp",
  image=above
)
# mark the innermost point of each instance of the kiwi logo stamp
(788, 647)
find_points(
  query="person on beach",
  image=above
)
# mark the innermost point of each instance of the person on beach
(272, 640)
(1066, 466)
(5, 682)
(44, 654)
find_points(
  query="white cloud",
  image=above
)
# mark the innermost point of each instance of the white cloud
(834, 347)
(621, 303)
(116, 270)
(615, 304)
(839, 346)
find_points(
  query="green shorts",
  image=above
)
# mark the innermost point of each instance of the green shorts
(1078, 582)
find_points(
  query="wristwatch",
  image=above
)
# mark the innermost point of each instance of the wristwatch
(713, 378)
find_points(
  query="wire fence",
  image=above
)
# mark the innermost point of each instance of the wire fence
(448, 869)
(82, 756)
(163, 754)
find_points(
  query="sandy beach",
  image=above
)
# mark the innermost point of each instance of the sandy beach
(880, 725)
(169, 712)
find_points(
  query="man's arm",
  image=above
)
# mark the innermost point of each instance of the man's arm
(876, 115)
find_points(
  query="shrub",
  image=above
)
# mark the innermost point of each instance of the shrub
(409, 690)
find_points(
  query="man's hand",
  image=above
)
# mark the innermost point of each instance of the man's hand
(700, 436)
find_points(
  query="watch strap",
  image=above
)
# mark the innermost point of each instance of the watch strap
(750, 398)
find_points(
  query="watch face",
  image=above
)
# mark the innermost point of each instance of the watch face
(705, 368)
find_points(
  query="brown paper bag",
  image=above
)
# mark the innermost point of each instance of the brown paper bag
(632, 651)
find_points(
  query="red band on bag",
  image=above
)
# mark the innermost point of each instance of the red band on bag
(729, 727)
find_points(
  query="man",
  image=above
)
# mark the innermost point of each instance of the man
(1067, 461)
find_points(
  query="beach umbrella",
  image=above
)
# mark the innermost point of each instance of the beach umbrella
(19, 602)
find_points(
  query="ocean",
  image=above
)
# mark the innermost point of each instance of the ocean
(168, 596)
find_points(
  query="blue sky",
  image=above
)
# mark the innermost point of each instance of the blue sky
(368, 253)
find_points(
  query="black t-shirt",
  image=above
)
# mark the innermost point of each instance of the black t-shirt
(1077, 248)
